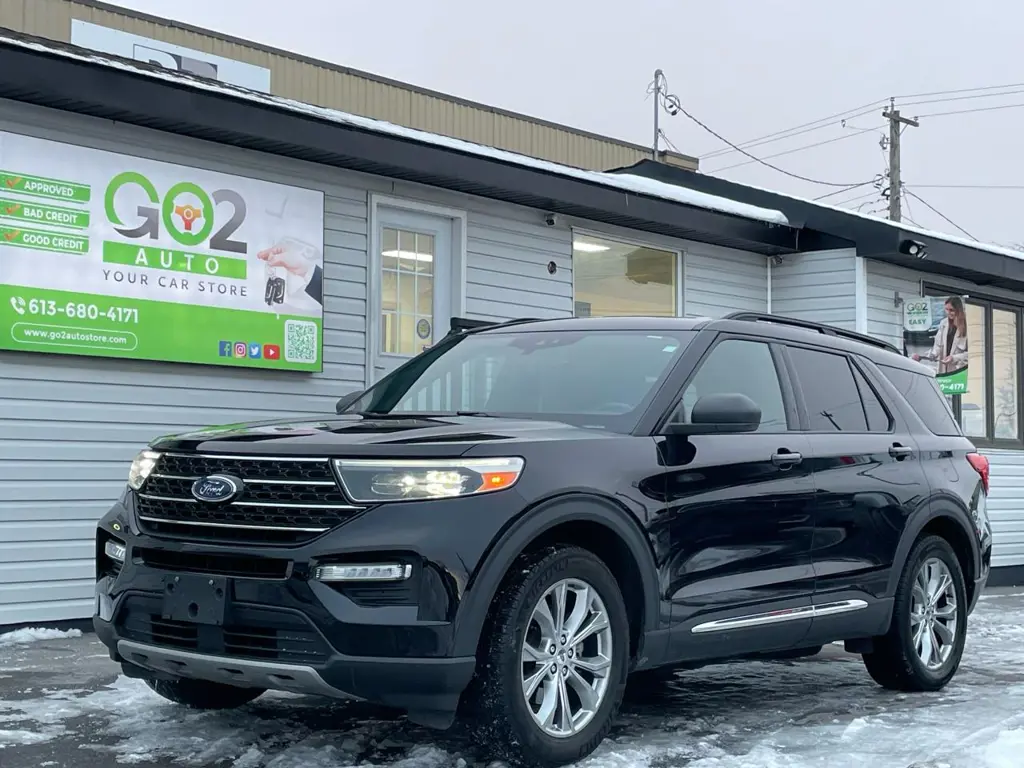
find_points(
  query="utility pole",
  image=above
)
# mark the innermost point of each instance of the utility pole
(896, 121)
(658, 76)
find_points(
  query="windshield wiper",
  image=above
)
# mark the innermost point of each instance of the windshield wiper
(481, 414)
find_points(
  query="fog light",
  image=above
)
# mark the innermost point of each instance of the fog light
(115, 550)
(363, 572)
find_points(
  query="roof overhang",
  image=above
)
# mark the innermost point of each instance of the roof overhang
(873, 238)
(63, 77)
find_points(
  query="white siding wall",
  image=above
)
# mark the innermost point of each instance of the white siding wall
(885, 320)
(819, 286)
(717, 281)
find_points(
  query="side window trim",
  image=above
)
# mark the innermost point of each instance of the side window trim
(858, 364)
(781, 371)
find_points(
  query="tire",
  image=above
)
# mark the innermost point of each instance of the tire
(202, 694)
(897, 660)
(495, 701)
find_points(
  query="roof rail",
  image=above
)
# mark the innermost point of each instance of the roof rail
(466, 324)
(828, 330)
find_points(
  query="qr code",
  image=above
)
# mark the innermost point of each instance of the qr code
(300, 341)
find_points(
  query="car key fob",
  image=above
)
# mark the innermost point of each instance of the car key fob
(274, 292)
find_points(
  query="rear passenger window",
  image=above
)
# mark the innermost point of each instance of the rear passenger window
(923, 395)
(745, 367)
(879, 419)
(830, 391)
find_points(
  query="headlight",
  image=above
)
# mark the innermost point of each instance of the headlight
(141, 468)
(377, 480)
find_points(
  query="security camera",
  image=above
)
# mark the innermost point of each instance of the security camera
(914, 248)
(550, 219)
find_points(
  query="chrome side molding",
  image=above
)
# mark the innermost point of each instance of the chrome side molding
(779, 617)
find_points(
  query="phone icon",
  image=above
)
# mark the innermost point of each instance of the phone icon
(18, 304)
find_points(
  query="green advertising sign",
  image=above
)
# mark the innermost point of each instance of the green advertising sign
(144, 260)
(935, 333)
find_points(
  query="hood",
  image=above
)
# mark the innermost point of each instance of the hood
(389, 435)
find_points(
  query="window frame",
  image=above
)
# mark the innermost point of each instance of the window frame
(786, 384)
(652, 244)
(805, 420)
(988, 302)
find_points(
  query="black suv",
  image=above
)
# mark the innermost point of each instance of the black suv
(516, 519)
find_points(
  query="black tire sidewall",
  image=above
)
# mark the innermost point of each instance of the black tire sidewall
(565, 564)
(932, 547)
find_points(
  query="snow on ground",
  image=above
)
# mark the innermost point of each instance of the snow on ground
(62, 703)
(35, 634)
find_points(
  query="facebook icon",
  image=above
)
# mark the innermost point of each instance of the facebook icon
(225, 349)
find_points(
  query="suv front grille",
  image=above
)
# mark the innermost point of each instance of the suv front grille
(284, 501)
(254, 633)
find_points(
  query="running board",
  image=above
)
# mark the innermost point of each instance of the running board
(779, 617)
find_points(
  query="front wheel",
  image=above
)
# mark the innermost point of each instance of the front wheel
(554, 659)
(201, 694)
(925, 642)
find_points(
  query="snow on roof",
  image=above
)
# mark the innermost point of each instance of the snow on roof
(625, 182)
(955, 239)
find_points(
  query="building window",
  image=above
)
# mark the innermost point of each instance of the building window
(614, 278)
(407, 291)
(990, 409)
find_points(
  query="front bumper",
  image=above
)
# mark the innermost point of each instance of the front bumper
(393, 644)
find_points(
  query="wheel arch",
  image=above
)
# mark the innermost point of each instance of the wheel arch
(944, 518)
(608, 530)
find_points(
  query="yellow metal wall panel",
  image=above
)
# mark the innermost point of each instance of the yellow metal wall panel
(335, 87)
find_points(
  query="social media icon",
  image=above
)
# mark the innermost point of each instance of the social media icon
(241, 348)
(271, 352)
(255, 351)
(226, 349)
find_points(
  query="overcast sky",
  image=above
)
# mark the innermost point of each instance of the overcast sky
(746, 68)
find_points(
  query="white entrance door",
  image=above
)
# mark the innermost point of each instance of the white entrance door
(412, 266)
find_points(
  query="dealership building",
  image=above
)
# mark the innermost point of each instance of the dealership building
(114, 167)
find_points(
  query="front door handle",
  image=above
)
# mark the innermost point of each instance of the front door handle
(900, 452)
(785, 459)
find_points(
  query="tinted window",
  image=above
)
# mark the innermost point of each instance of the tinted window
(593, 378)
(830, 391)
(739, 366)
(921, 391)
(878, 417)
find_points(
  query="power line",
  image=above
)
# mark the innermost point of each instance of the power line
(797, 130)
(960, 90)
(961, 98)
(972, 111)
(969, 186)
(847, 189)
(676, 105)
(803, 148)
(936, 211)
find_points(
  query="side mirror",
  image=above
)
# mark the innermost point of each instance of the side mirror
(346, 400)
(720, 413)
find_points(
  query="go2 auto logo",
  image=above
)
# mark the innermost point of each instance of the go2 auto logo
(185, 202)
(253, 350)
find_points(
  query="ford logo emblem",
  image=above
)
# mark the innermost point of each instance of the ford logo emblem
(216, 489)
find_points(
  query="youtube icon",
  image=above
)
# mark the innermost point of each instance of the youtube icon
(271, 352)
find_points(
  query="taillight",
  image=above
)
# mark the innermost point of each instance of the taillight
(980, 464)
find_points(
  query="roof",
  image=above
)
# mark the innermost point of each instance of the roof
(165, 22)
(874, 238)
(76, 80)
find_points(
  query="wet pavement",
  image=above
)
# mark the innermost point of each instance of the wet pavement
(63, 703)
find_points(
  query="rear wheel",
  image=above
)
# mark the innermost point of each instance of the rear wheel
(201, 694)
(554, 658)
(925, 642)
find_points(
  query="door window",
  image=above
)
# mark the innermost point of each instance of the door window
(407, 291)
(830, 391)
(743, 367)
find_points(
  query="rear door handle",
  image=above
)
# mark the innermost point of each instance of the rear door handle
(786, 458)
(900, 452)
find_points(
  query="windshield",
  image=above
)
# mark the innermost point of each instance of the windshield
(589, 378)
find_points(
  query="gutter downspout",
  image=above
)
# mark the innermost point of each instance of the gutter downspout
(768, 297)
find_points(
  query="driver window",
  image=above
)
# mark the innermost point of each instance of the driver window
(739, 366)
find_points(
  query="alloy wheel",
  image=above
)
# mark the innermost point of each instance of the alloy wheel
(566, 658)
(933, 614)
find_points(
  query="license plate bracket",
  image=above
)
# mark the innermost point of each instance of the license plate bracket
(196, 599)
